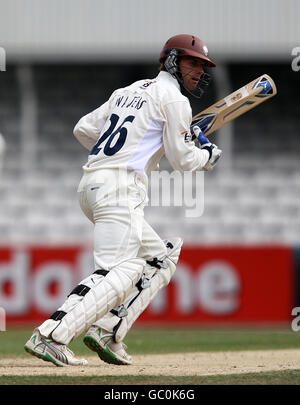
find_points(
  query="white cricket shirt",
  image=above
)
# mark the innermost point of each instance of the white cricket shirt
(138, 125)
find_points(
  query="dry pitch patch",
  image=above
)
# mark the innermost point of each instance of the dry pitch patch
(182, 364)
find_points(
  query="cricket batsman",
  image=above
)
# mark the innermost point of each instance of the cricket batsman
(126, 137)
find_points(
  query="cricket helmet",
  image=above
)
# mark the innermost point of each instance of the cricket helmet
(186, 45)
(189, 45)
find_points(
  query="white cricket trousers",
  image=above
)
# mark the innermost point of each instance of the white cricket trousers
(114, 202)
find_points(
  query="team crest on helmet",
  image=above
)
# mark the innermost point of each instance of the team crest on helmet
(205, 50)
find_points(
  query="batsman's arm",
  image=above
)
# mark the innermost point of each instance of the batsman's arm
(88, 128)
(180, 150)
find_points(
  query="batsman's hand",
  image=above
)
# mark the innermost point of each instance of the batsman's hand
(214, 152)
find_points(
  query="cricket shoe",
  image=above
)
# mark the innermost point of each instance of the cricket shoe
(48, 350)
(102, 342)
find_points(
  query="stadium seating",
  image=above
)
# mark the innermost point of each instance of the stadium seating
(255, 200)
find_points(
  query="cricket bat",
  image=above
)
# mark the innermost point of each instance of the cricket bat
(234, 105)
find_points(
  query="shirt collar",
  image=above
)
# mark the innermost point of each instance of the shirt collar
(168, 77)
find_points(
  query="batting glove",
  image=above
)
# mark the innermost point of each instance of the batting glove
(214, 152)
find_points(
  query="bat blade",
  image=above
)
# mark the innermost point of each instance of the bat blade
(236, 104)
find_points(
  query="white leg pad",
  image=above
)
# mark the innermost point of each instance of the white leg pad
(160, 279)
(106, 293)
(110, 320)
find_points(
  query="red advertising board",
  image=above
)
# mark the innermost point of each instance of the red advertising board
(35, 280)
(230, 284)
(210, 285)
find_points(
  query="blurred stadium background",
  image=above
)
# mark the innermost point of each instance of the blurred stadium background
(63, 59)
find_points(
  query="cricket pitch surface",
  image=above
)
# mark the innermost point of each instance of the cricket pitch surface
(178, 364)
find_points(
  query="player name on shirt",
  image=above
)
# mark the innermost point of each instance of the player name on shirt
(136, 102)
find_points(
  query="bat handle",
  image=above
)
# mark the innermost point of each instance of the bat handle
(205, 122)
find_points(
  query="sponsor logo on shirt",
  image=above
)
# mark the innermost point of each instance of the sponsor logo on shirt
(187, 136)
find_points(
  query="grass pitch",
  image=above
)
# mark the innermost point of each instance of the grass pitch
(163, 341)
(174, 340)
